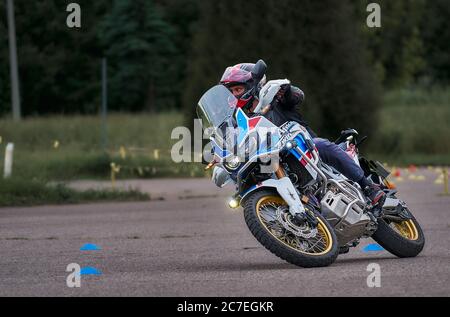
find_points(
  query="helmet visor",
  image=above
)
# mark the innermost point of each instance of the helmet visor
(236, 75)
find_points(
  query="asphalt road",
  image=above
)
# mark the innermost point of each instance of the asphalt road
(191, 244)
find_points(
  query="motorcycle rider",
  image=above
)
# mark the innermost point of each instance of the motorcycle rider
(239, 80)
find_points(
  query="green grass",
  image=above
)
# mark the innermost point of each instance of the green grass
(19, 192)
(414, 128)
(418, 97)
(84, 133)
(80, 153)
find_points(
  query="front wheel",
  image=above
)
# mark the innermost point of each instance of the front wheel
(404, 239)
(268, 218)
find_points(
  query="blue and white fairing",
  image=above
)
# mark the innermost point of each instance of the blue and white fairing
(254, 137)
(270, 141)
(240, 141)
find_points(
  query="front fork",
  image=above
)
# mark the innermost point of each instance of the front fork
(283, 185)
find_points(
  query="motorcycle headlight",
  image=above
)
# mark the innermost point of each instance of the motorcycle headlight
(233, 203)
(233, 163)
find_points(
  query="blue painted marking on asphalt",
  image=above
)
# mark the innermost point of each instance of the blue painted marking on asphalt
(373, 248)
(90, 247)
(90, 271)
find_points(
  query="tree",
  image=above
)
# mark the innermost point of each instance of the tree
(397, 48)
(336, 69)
(182, 15)
(436, 34)
(316, 44)
(58, 66)
(140, 50)
(5, 100)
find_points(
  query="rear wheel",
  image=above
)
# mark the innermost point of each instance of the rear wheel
(404, 239)
(268, 218)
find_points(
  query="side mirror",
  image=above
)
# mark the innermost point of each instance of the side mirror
(259, 70)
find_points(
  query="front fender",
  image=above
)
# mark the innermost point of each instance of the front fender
(285, 189)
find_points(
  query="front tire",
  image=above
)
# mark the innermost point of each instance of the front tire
(318, 251)
(403, 239)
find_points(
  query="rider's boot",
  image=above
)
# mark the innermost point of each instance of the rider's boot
(374, 193)
(377, 198)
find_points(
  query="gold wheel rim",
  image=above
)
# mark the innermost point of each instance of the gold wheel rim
(322, 229)
(407, 229)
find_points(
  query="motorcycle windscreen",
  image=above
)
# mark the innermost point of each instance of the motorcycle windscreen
(216, 106)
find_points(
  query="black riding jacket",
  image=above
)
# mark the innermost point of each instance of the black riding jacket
(287, 109)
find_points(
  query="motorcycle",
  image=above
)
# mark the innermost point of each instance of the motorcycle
(295, 205)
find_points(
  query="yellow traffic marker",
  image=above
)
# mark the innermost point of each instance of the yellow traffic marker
(56, 144)
(115, 169)
(123, 153)
(439, 180)
(156, 154)
(414, 177)
(445, 181)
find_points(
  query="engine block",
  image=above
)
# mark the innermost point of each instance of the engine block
(345, 214)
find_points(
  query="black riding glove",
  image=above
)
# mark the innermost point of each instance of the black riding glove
(284, 94)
